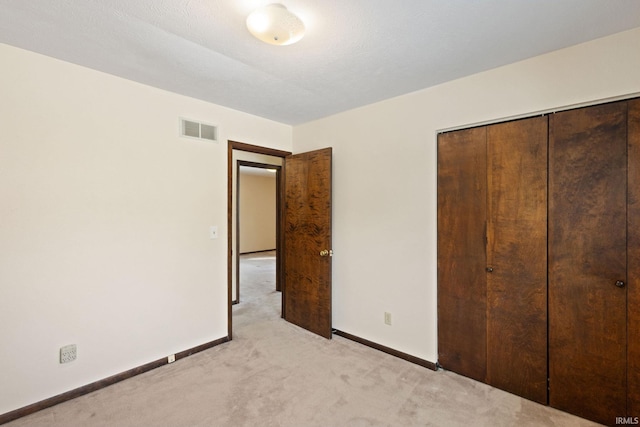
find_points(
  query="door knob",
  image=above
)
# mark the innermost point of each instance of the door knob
(489, 269)
(324, 253)
(620, 283)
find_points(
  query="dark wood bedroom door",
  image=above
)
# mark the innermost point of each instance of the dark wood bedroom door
(588, 261)
(307, 241)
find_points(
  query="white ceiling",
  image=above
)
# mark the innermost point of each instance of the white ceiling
(355, 52)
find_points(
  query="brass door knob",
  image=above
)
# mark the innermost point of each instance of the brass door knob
(326, 253)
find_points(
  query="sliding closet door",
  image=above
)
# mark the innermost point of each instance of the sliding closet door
(588, 261)
(633, 289)
(517, 257)
(462, 198)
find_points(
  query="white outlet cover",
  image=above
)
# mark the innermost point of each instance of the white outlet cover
(387, 318)
(68, 353)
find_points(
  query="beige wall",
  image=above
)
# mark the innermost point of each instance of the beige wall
(257, 212)
(384, 200)
(104, 223)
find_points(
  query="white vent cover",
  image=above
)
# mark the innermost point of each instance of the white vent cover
(193, 129)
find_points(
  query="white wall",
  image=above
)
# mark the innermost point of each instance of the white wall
(384, 200)
(104, 221)
(257, 212)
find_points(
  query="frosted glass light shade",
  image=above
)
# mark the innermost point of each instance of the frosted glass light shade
(274, 24)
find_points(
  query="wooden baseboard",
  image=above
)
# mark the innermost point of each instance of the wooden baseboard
(388, 350)
(72, 394)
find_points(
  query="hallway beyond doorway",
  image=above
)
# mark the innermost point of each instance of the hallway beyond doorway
(259, 300)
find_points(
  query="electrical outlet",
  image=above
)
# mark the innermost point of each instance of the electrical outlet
(171, 358)
(387, 318)
(68, 353)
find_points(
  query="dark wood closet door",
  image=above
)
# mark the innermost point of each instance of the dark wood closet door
(517, 256)
(462, 199)
(633, 289)
(587, 256)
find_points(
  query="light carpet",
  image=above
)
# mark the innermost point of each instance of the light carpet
(275, 374)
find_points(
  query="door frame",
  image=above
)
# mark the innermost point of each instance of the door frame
(278, 196)
(241, 146)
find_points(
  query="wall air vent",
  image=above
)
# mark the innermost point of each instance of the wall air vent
(193, 129)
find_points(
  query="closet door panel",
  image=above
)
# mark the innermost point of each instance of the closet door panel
(517, 254)
(633, 248)
(462, 172)
(587, 255)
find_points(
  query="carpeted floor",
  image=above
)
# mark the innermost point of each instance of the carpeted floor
(275, 374)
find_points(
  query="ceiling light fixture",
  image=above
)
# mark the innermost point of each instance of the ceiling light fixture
(274, 24)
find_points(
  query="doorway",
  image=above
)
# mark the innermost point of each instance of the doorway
(257, 215)
(241, 154)
(304, 239)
